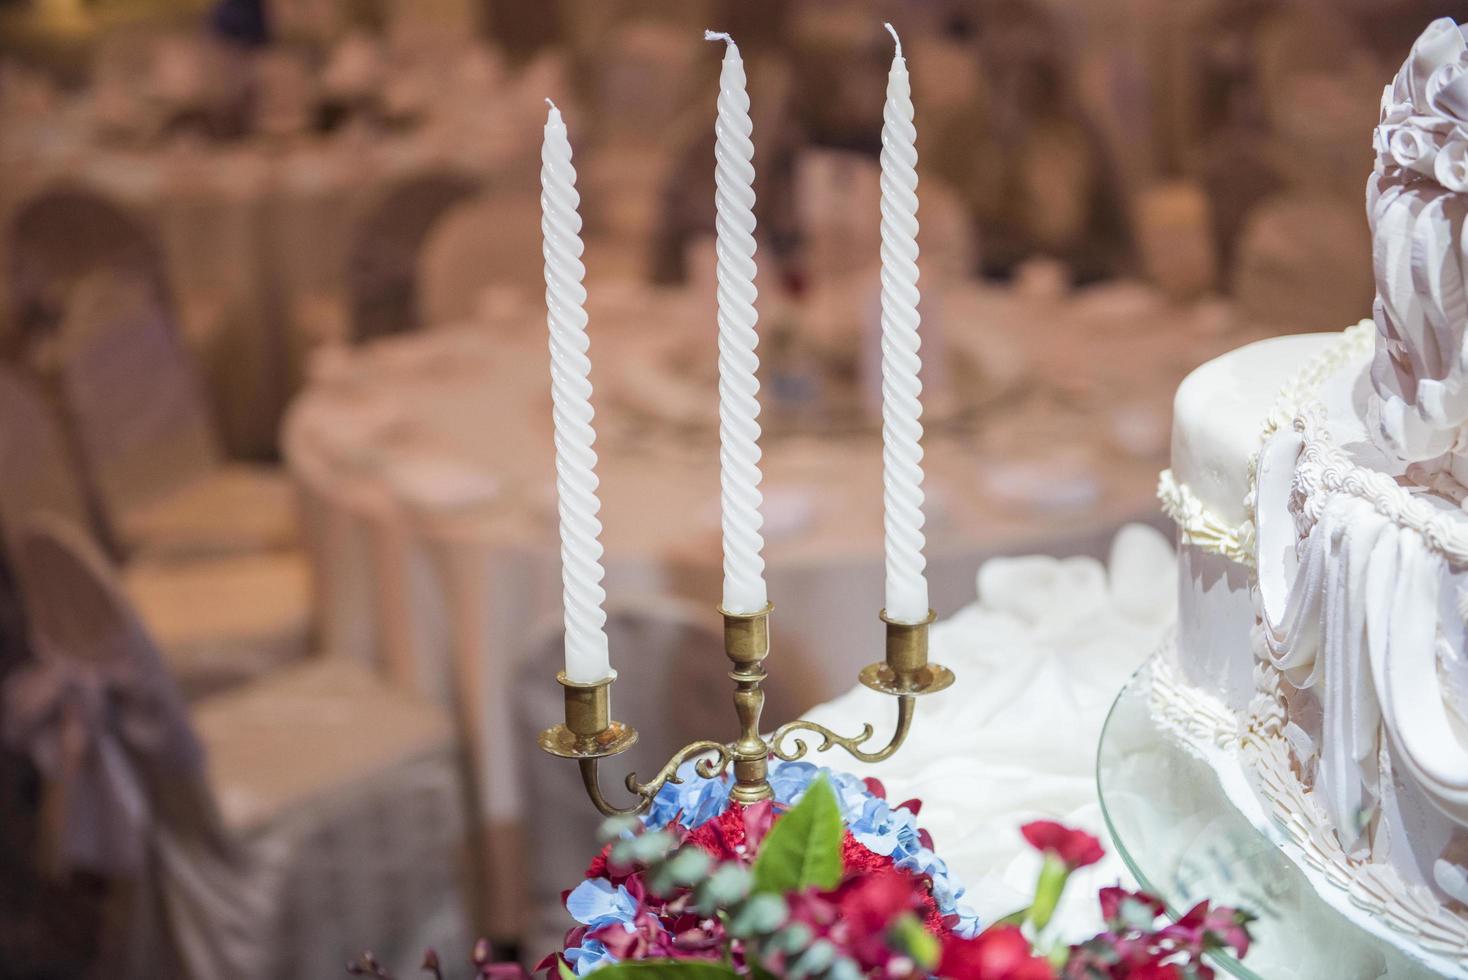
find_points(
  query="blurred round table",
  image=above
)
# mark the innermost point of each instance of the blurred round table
(426, 467)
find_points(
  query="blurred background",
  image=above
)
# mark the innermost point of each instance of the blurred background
(281, 583)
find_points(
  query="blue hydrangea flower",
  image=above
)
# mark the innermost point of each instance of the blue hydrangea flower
(588, 956)
(596, 902)
(693, 802)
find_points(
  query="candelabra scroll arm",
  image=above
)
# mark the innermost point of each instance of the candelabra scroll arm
(645, 792)
(707, 768)
(904, 674)
(852, 744)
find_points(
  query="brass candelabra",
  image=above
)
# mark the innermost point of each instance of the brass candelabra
(590, 734)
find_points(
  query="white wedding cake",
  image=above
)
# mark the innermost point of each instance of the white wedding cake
(1319, 485)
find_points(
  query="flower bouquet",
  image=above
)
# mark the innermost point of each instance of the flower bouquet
(831, 880)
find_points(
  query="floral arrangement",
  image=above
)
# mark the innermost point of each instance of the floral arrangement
(831, 880)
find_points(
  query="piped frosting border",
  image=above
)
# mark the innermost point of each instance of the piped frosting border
(1198, 526)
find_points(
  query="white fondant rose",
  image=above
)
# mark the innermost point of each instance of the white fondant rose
(1412, 148)
(1448, 92)
(1441, 43)
(1450, 168)
(1426, 107)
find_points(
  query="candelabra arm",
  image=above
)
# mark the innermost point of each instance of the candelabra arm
(905, 674)
(645, 792)
(852, 744)
(589, 735)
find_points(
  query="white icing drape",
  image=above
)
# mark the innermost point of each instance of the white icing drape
(1351, 608)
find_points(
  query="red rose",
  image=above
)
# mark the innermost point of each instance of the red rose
(1075, 847)
(997, 953)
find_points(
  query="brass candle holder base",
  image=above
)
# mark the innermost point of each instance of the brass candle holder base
(590, 735)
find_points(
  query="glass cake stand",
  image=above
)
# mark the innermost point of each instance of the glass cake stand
(1183, 840)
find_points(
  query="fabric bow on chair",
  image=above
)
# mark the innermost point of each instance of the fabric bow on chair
(89, 728)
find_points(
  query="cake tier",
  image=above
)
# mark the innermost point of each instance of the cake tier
(1219, 413)
(1218, 417)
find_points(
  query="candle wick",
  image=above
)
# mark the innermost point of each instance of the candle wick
(718, 36)
(893, 31)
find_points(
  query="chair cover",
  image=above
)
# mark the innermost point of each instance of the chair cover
(37, 476)
(328, 822)
(219, 620)
(672, 686)
(226, 620)
(235, 507)
(145, 433)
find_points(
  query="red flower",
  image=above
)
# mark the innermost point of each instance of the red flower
(997, 953)
(1075, 847)
(725, 837)
(1202, 928)
(1114, 905)
(648, 939)
(858, 861)
(599, 867)
(871, 903)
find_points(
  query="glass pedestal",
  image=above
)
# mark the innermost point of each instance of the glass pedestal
(1184, 840)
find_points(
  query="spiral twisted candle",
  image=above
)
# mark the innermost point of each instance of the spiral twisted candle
(902, 429)
(739, 454)
(587, 659)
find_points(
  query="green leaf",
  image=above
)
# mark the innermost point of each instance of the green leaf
(565, 970)
(728, 885)
(665, 970)
(911, 937)
(803, 848)
(760, 915)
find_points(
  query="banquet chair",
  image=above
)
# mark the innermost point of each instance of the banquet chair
(672, 686)
(284, 828)
(220, 620)
(147, 443)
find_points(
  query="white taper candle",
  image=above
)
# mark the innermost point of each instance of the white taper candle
(902, 428)
(587, 659)
(744, 579)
